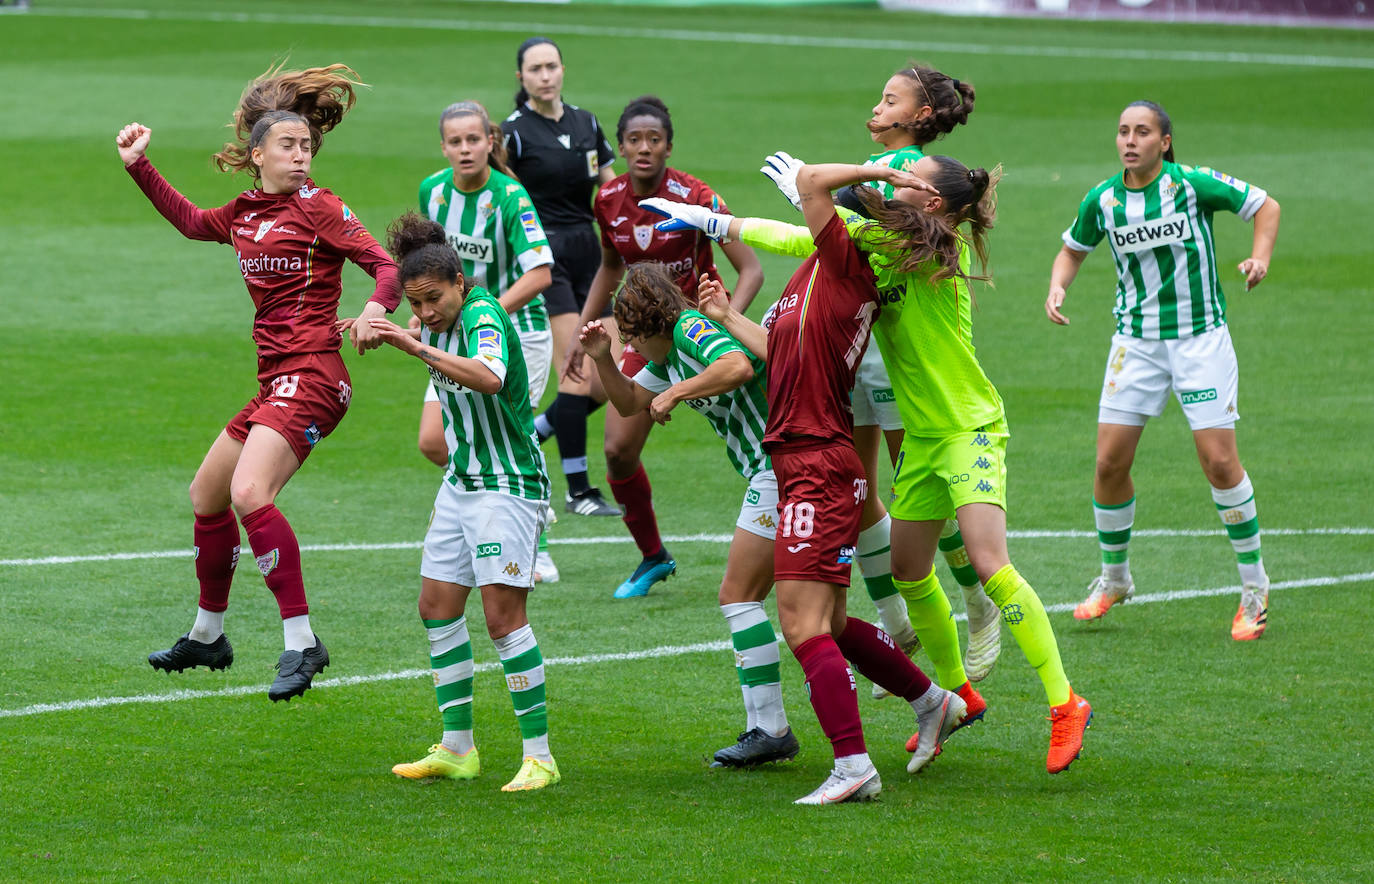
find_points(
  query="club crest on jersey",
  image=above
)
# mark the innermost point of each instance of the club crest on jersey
(678, 188)
(1167, 186)
(483, 205)
(1147, 235)
(644, 235)
(263, 227)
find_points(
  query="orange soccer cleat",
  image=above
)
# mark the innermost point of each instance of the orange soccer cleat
(1068, 722)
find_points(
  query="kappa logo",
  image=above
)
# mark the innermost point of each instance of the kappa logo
(262, 230)
(566, 141)
(512, 569)
(982, 463)
(518, 682)
(763, 520)
(983, 486)
(267, 562)
(981, 439)
(798, 547)
(644, 235)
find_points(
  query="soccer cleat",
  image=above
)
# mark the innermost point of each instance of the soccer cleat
(984, 644)
(188, 653)
(649, 572)
(534, 774)
(441, 763)
(839, 788)
(975, 707)
(1252, 615)
(933, 727)
(757, 747)
(1067, 725)
(590, 503)
(1101, 596)
(545, 571)
(295, 669)
(909, 648)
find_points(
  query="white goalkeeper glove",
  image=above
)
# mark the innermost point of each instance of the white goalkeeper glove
(682, 216)
(782, 167)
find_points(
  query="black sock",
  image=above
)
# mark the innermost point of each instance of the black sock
(570, 428)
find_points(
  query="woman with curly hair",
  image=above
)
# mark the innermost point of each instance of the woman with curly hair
(291, 238)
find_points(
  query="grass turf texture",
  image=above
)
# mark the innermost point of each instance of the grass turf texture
(1208, 760)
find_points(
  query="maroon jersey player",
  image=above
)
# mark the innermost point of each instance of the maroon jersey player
(645, 133)
(291, 238)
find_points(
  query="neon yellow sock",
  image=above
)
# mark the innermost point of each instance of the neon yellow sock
(928, 608)
(1029, 624)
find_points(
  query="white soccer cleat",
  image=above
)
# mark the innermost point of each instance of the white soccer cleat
(839, 788)
(933, 727)
(545, 571)
(1102, 594)
(1253, 614)
(984, 644)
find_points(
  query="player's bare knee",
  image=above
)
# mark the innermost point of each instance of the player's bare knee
(248, 495)
(620, 463)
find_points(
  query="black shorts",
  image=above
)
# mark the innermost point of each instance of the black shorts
(576, 258)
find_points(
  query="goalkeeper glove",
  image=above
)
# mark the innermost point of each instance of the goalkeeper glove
(683, 216)
(782, 167)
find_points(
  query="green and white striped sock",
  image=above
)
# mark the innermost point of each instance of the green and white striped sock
(1114, 523)
(874, 552)
(450, 656)
(1236, 507)
(757, 662)
(524, 668)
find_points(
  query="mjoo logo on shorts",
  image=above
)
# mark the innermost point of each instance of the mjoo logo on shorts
(485, 550)
(1195, 396)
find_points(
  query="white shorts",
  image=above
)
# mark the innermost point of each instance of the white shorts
(873, 400)
(537, 348)
(1201, 370)
(759, 512)
(477, 538)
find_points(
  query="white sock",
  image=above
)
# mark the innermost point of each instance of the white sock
(770, 716)
(209, 626)
(297, 633)
(933, 697)
(458, 742)
(854, 765)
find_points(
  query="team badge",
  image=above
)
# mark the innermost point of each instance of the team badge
(483, 206)
(263, 227)
(644, 234)
(267, 562)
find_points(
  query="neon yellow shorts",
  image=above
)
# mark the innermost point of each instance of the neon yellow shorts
(935, 476)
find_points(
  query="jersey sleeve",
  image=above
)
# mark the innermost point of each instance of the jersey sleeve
(707, 197)
(701, 340)
(193, 222)
(1087, 229)
(605, 154)
(486, 338)
(840, 257)
(340, 230)
(524, 234)
(601, 211)
(1219, 191)
(653, 377)
(778, 237)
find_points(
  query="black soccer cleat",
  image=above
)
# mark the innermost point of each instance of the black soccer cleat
(295, 669)
(188, 653)
(756, 747)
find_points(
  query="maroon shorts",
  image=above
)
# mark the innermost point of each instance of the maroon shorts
(821, 493)
(631, 361)
(301, 397)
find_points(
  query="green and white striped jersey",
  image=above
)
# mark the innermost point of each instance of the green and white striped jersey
(1161, 238)
(904, 158)
(738, 416)
(490, 437)
(496, 232)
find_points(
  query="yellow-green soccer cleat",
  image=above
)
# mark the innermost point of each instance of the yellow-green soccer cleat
(441, 763)
(534, 774)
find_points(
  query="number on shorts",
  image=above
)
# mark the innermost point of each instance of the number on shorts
(345, 392)
(798, 519)
(284, 386)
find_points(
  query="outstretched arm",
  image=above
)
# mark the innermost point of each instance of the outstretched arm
(190, 220)
(815, 183)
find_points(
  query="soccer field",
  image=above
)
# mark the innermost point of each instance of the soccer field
(1207, 760)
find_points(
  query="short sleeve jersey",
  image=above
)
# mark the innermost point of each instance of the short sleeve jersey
(291, 248)
(738, 416)
(817, 336)
(629, 229)
(903, 158)
(496, 231)
(490, 438)
(1161, 239)
(559, 161)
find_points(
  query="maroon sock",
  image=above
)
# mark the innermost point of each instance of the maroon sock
(831, 689)
(636, 495)
(279, 558)
(217, 553)
(876, 656)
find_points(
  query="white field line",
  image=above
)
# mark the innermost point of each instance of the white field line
(1113, 52)
(676, 538)
(592, 659)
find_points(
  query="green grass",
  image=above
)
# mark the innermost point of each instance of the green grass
(129, 348)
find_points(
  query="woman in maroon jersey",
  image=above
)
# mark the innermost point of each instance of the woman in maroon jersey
(628, 236)
(291, 238)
